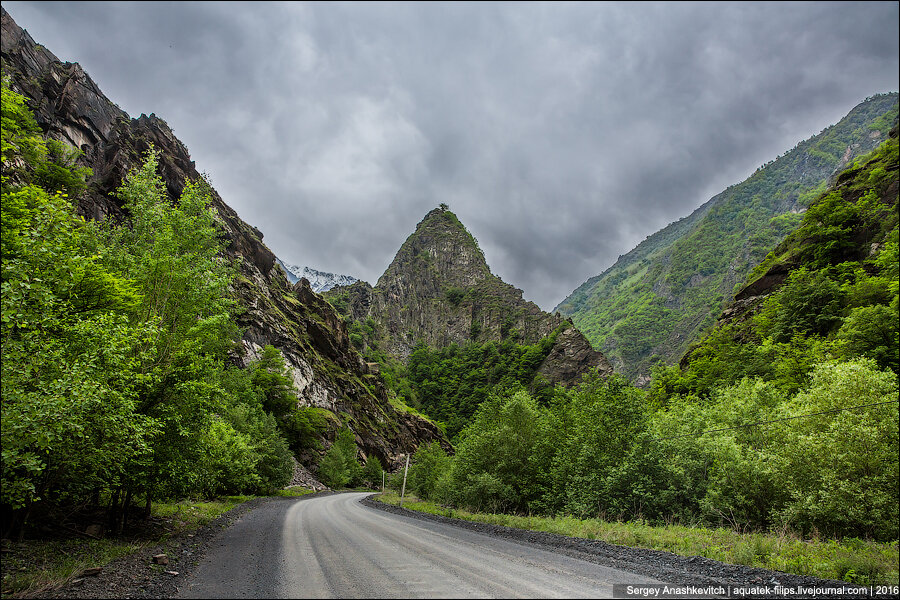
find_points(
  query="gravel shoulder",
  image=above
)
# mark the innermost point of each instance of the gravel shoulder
(678, 570)
(135, 575)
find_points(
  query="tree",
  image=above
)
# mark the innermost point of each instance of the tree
(501, 459)
(427, 466)
(271, 379)
(840, 467)
(68, 397)
(338, 467)
(872, 331)
(173, 254)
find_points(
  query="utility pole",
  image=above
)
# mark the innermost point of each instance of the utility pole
(403, 491)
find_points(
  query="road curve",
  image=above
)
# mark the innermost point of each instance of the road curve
(334, 547)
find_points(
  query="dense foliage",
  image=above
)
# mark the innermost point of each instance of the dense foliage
(785, 419)
(340, 468)
(450, 383)
(114, 345)
(822, 460)
(659, 297)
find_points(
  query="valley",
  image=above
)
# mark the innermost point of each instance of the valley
(735, 371)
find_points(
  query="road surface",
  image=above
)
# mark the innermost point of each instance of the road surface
(334, 547)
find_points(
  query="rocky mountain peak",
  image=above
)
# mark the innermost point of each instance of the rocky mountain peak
(442, 253)
(439, 290)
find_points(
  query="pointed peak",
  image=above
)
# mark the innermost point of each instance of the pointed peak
(445, 221)
(441, 214)
(442, 247)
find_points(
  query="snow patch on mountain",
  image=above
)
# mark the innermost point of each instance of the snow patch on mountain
(319, 281)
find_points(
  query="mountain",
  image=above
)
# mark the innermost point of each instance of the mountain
(850, 226)
(439, 291)
(319, 281)
(828, 291)
(327, 371)
(655, 300)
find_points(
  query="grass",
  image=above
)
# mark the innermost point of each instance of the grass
(853, 560)
(35, 565)
(294, 491)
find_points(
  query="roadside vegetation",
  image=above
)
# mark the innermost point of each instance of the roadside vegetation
(42, 564)
(853, 560)
(118, 339)
(39, 564)
(780, 427)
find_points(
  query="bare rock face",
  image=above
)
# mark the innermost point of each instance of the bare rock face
(440, 290)
(571, 357)
(328, 372)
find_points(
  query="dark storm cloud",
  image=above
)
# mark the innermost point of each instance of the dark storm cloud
(561, 134)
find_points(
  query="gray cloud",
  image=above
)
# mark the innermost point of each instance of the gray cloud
(561, 134)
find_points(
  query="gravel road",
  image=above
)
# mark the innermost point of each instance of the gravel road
(345, 545)
(335, 547)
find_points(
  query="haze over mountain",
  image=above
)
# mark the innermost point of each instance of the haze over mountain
(562, 135)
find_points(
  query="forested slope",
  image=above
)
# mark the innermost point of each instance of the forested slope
(783, 418)
(154, 349)
(650, 305)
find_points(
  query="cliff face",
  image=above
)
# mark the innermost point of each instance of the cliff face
(327, 371)
(440, 290)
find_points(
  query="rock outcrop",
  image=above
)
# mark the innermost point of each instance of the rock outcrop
(439, 290)
(327, 371)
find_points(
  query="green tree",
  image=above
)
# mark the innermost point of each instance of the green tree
(68, 397)
(426, 467)
(339, 468)
(271, 379)
(605, 418)
(173, 253)
(502, 457)
(872, 331)
(840, 467)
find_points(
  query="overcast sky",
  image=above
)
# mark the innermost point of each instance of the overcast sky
(561, 134)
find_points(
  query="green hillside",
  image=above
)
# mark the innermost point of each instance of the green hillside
(782, 419)
(655, 300)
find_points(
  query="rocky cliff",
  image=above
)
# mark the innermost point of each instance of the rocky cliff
(439, 290)
(327, 371)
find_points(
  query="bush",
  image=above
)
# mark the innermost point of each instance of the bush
(427, 465)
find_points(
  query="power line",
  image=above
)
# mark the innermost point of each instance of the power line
(824, 412)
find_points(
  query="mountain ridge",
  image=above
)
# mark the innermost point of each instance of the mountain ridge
(657, 298)
(327, 372)
(319, 281)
